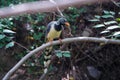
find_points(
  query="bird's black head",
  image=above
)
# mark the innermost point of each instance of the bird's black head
(64, 22)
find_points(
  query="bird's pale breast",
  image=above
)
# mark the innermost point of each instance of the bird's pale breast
(53, 33)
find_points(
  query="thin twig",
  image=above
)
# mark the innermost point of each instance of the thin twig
(21, 46)
(52, 1)
(115, 3)
(43, 76)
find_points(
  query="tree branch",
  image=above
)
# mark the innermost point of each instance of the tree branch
(42, 6)
(67, 40)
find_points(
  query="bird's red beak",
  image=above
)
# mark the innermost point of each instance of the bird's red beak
(67, 24)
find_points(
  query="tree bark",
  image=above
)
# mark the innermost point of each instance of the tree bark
(43, 6)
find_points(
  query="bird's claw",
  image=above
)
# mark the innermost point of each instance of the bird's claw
(60, 41)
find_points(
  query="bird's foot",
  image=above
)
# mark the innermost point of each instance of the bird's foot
(60, 41)
(51, 42)
(70, 34)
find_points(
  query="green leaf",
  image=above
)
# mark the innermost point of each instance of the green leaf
(83, 10)
(97, 16)
(66, 54)
(59, 54)
(70, 8)
(2, 36)
(2, 45)
(110, 22)
(8, 31)
(43, 27)
(1, 25)
(117, 36)
(11, 44)
(94, 20)
(10, 18)
(104, 32)
(32, 64)
(113, 27)
(8, 39)
(99, 26)
(111, 12)
(118, 19)
(118, 12)
(109, 36)
(106, 12)
(37, 36)
(107, 16)
(116, 33)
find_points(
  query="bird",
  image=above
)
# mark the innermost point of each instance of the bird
(54, 31)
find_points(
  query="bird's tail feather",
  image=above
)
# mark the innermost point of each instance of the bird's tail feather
(47, 58)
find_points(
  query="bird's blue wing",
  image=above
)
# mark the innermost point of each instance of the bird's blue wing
(49, 27)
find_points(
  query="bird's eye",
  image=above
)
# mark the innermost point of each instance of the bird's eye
(62, 21)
